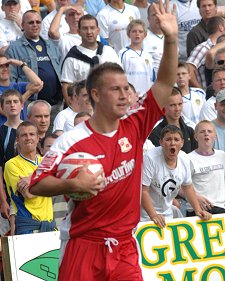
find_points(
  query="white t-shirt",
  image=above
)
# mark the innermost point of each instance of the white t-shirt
(208, 176)
(154, 45)
(113, 24)
(208, 111)
(66, 42)
(164, 182)
(187, 17)
(63, 28)
(9, 31)
(192, 104)
(77, 70)
(61, 117)
(69, 124)
(138, 67)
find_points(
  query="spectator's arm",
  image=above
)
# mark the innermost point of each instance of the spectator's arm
(53, 31)
(147, 204)
(210, 55)
(35, 84)
(193, 80)
(191, 196)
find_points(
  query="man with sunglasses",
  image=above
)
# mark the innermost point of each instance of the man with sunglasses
(196, 61)
(42, 57)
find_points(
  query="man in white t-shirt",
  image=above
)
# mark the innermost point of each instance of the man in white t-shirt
(81, 59)
(48, 19)
(165, 170)
(10, 26)
(188, 16)
(67, 40)
(113, 20)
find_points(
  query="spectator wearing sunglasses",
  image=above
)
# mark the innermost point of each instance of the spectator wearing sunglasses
(41, 56)
(196, 61)
(215, 57)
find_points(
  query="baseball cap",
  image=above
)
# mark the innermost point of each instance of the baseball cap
(220, 96)
(4, 2)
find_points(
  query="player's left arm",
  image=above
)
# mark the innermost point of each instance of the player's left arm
(83, 182)
(190, 194)
(168, 67)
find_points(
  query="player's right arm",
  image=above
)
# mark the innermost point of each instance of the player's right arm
(147, 204)
(83, 182)
(167, 73)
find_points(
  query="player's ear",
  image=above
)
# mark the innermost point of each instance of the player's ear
(95, 95)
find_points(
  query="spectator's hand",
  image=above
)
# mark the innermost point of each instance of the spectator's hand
(204, 203)
(33, 89)
(15, 17)
(23, 187)
(203, 215)
(15, 62)
(159, 220)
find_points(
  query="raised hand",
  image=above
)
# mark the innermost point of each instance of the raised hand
(167, 20)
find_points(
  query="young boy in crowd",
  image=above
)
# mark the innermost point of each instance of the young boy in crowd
(165, 169)
(137, 63)
(193, 98)
(12, 105)
(208, 170)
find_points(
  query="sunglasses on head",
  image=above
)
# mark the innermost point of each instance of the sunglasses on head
(220, 62)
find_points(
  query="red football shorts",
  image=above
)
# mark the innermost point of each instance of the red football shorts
(88, 260)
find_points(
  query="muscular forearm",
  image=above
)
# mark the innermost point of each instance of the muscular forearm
(50, 186)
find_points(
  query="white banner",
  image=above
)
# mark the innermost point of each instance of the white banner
(187, 249)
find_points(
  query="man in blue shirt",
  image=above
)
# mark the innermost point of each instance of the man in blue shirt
(27, 89)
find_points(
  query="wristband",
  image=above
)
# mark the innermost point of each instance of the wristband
(23, 64)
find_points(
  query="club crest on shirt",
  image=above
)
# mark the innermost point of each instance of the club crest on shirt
(131, 18)
(197, 102)
(125, 146)
(39, 48)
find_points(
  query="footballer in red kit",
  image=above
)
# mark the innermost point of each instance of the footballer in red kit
(96, 236)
